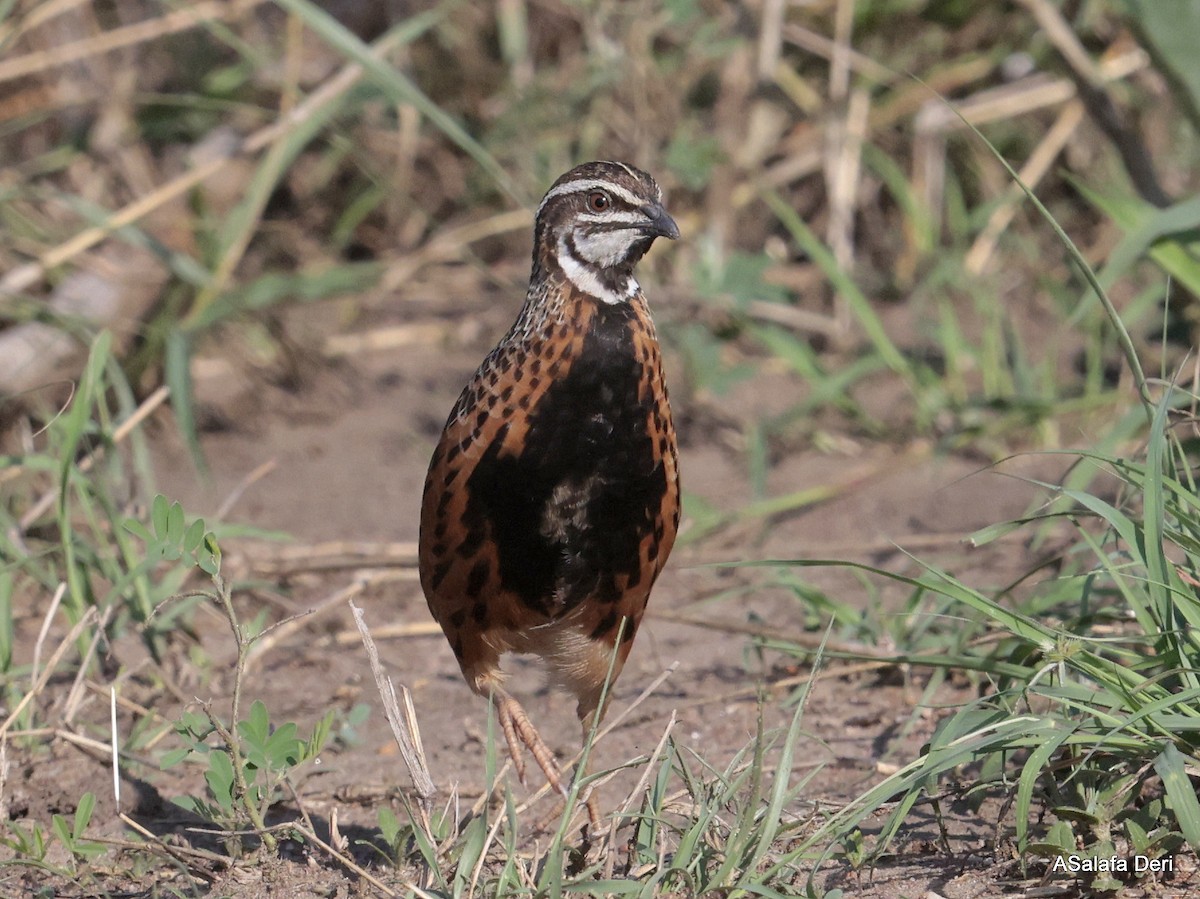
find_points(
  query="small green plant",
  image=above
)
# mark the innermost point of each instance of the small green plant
(171, 541)
(71, 833)
(237, 794)
(28, 845)
(31, 845)
(248, 761)
(726, 835)
(393, 833)
(853, 849)
(344, 732)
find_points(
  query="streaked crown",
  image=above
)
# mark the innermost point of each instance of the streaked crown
(595, 223)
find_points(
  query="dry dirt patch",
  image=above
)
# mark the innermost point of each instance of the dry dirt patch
(347, 448)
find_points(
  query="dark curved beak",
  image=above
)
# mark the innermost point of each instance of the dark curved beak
(661, 224)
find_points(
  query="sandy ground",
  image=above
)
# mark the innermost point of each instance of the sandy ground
(348, 442)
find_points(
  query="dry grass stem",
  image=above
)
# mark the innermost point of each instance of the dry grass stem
(116, 755)
(300, 806)
(285, 629)
(100, 749)
(802, 321)
(1098, 100)
(37, 15)
(843, 170)
(75, 694)
(839, 59)
(332, 555)
(44, 630)
(123, 430)
(449, 245)
(820, 45)
(1062, 36)
(477, 871)
(937, 119)
(4, 765)
(25, 276)
(397, 631)
(124, 36)
(853, 549)
(387, 339)
(770, 39)
(806, 155)
(982, 251)
(752, 630)
(646, 693)
(362, 872)
(86, 620)
(644, 780)
(403, 724)
(243, 485)
(633, 796)
(827, 671)
(1021, 97)
(183, 854)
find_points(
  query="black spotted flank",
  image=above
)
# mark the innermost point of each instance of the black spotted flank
(477, 578)
(439, 574)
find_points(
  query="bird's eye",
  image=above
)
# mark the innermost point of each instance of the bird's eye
(598, 201)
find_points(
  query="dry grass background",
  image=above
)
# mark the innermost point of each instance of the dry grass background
(191, 153)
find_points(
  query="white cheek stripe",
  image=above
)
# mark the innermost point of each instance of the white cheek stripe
(584, 278)
(572, 187)
(603, 250)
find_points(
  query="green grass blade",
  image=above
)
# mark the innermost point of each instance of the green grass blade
(275, 288)
(242, 223)
(1031, 772)
(1153, 514)
(397, 86)
(1171, 767)
(76, 423)
(859, 305)
(1147, 228)
(177, 372)
(1124, 340)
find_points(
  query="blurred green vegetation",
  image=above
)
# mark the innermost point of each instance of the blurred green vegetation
(789, 161)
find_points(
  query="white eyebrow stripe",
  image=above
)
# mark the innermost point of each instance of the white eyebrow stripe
(629, 218)
(584, 184)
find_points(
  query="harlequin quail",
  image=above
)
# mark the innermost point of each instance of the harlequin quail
(552, 499)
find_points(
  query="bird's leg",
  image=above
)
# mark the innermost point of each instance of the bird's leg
(587, 717)
(589, 795)
(518, 732)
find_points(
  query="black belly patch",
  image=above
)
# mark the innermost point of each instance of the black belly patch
(569, 513)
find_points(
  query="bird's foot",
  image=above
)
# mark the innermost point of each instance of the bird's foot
(519, 732)
(591, 830)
